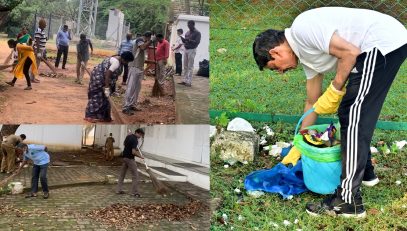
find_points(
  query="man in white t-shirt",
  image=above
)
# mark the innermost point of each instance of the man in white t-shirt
(366, 49)
(178, 49)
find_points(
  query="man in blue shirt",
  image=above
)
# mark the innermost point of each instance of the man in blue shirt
(63, 38)
(40, 158)
(126, 45)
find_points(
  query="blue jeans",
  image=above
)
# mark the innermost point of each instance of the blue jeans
(39, 172)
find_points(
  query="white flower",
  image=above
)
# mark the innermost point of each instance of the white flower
(225, 217)
(373, 150)
(398, 182)
(290, 197)
(240, 218)
(296, 221)
(226, 166)
(245, 162)
(237, 190)
(273, 224)
(286, 223)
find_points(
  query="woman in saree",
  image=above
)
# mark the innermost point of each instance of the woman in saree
(25, 62)
(23, 36)
(102, 76)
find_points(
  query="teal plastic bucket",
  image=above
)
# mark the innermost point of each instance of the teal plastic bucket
(321, 166)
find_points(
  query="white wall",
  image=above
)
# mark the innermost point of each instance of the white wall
(187, 143)
(202, 24)
(55, 137)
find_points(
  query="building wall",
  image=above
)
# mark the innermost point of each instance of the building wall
(201, 24)
(115, 25)
(187, 143)
(55, 137)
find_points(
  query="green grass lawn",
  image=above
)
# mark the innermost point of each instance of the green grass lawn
(386, 203)
(237, 84)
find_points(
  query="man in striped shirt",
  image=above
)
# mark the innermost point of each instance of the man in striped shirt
(39, 45)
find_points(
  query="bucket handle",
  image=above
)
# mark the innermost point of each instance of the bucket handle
(302, 118)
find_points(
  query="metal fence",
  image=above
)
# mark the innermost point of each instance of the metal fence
(263, 14)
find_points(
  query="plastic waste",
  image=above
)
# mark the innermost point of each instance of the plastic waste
(239, 124)
(280, 179)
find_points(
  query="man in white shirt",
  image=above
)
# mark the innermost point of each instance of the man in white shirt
(365, 48)
(177, 48)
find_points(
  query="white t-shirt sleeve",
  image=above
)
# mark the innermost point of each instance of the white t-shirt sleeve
(311, 33)
(115, 64)
(309, 73)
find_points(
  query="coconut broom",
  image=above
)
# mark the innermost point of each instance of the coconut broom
(159, 186)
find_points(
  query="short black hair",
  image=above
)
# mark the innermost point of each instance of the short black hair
(23, 136)
(147, 34)
(127, 56)
(263, 43)
(82, 36)
(180, 30)
(160, 36)
(192, 22)
(66, 26)
(140, 131)
(12, 42)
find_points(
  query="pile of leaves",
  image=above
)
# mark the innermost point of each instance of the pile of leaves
(52, 75)
(122, 215)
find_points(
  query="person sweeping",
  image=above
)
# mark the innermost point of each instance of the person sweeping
(366, 49)
(129, 152)
(25, 62)
(40, 158)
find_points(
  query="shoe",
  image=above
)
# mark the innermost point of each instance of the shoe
(46, 195)
(35, 81)
(120, 192)
(136, 195)
(28, 88)
(128, 112)
(31, 195)
(63, 68)
(183, 83)
(10, 83)
(188, 85)
(369, 178)
(335, 206)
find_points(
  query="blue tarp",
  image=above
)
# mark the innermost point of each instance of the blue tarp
(280, 179)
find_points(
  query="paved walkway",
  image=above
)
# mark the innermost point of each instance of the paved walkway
(68, 204)
(192, 103)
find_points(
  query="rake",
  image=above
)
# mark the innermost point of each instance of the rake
(159, 186)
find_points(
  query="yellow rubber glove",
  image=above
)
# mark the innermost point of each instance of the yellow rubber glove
(329, 102)
(292, 157)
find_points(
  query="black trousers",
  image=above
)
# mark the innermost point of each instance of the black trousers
(368, 85)
(26, 71)
(178, 63)
(125, 72)
(62, 50)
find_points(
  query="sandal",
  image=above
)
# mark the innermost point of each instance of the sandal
(10, 83)
(28, 88)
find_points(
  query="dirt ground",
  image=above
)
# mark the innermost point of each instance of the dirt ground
(59, 100)
(84, 157)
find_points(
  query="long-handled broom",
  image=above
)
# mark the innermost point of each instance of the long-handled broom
(159, 186)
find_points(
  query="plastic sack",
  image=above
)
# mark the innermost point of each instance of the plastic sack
(280, 179)
(16, 187)
(322, 166)
(203, 68)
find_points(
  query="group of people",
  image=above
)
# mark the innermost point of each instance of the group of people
(13, 150)
(29, 53)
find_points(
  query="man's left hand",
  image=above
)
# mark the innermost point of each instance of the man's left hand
(329, 102)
